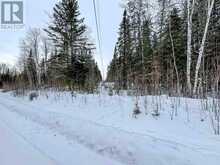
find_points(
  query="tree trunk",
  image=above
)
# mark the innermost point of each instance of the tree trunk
(190, 12)
(202, 46)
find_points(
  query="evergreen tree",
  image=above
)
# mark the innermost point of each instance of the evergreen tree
(175, 28)
(147, 51)
(211, 60)
(133, 54)
(67, 31)
(120, 68)
(31, 70)
(112, 75)
(124, 49)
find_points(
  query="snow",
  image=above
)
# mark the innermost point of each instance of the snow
(15, 150)
(99, 129)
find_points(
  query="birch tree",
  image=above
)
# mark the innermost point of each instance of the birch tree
(190, 12)
(210, 5)
(34, 39)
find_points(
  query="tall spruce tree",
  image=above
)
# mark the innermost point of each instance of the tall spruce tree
(113, 75)
(120, 69)
(67, 31)
(147, 51)
(174, 27)
(134, 46)
(124, 48)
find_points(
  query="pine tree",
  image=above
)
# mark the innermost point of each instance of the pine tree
(112, 75)
(175, 28)
(147, 51)
(73, 50)
(134, 50)
(66, 31)
(124, 48)
(120, 69)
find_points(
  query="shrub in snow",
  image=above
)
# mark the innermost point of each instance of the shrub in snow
(33, 96)
(73, 94)
(155, 113)
(136, 110)
(110, 92)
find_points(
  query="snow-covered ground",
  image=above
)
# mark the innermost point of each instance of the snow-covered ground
(14, 149)
(100, 130)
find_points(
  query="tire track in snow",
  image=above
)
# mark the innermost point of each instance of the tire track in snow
(28, 142)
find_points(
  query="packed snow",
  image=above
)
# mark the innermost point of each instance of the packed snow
(98, 129)
(14, 149)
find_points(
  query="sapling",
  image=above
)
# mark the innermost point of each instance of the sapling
(146, 105)
(187, 110)
(136, 110)
(155, 112)
(204, 109)
(174, 107)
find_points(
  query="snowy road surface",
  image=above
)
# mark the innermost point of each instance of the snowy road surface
(87, 131)
(14, 150)
(26, 142)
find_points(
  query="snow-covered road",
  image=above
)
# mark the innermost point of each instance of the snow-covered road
(77, 137)
(24, 141)
(15, 150)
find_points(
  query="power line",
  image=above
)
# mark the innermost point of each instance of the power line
(99, 19)
(98, 27)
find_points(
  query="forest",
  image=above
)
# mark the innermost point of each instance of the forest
(177, 53)
(168, 48)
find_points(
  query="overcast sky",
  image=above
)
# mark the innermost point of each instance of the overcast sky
(36, 16)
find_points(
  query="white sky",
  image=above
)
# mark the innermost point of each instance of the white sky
(36, 16)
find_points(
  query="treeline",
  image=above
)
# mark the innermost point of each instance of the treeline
(8, 76)
(174, 51)
(61, 55)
